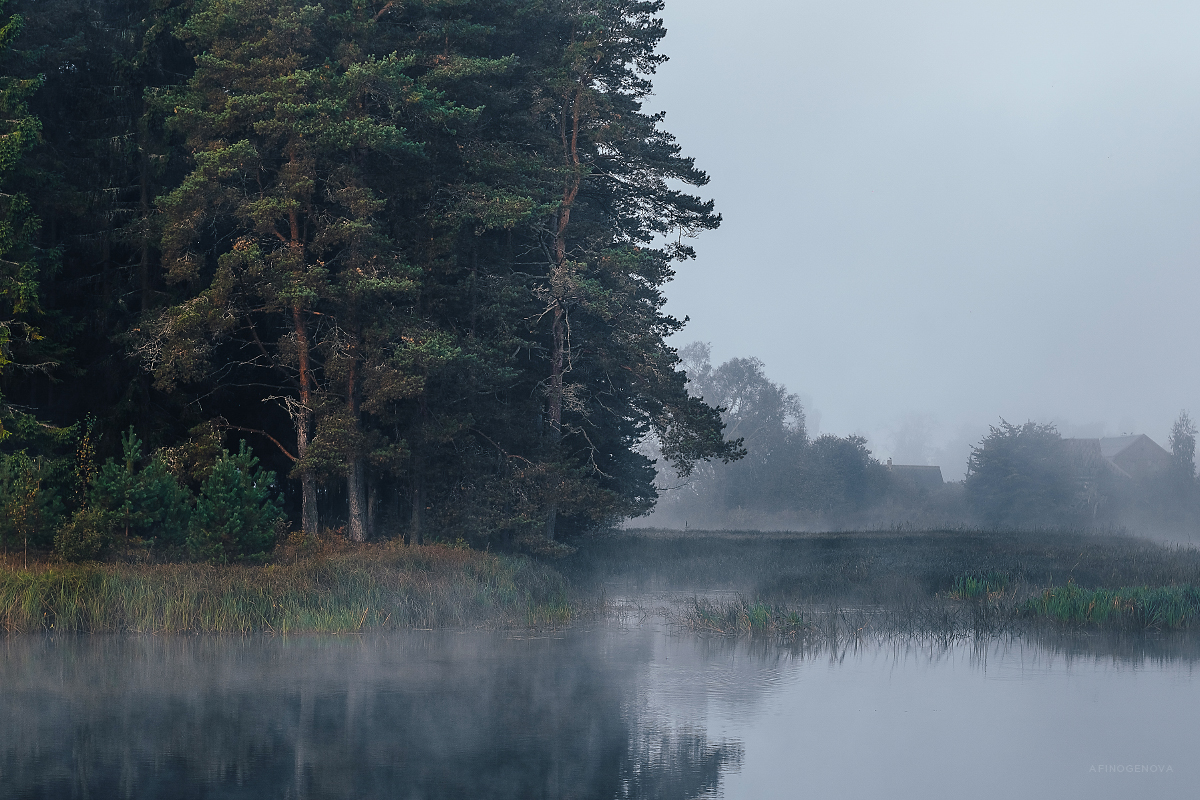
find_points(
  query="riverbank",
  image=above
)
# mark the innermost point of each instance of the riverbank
(796, 585)
(323, 589)
(780, 585)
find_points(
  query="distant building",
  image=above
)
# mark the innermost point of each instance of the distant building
(920, 476)
(1132, 456)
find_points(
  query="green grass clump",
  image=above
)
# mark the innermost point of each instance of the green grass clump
(372, 587)
(743, 618)
(979, 586)
(1140, 607)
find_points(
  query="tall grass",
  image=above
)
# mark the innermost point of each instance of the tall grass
(365, 588)
(979, 586)
(743, 617)
(1142, 607)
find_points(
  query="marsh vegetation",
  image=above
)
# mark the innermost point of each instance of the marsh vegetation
(788, 586)
(317, 588)
(792, 585)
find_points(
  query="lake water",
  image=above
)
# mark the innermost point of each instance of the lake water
(611, 712)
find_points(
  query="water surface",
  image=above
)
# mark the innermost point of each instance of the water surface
(611, 712)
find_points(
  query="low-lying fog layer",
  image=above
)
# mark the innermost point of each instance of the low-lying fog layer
(611, 712)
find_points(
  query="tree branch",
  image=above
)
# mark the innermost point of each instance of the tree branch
(223, 423)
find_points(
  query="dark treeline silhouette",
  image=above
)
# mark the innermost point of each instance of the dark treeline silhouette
(411, 253)
(1018, 476)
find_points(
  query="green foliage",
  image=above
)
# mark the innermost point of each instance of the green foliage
(137, 498)
(20, 262)
(236, 512)
(979, 585)
(783, 471)
(192, 461)
(29, 504)
(86, 536)
(841, 475)
(744, 618)
(37, 477)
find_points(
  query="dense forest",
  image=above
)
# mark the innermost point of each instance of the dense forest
(409, 255)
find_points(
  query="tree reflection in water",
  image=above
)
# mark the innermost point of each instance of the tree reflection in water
(420, 715)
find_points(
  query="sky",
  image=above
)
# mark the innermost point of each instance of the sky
(941, 214)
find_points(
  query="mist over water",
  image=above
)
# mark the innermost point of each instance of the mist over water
(612, 712)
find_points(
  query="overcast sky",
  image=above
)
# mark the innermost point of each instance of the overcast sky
(940, 214)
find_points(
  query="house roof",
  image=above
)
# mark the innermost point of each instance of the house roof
(1113, 446)
(1126, 455)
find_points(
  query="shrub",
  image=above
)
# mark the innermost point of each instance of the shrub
(86, 536)
(236, 512)
(138, 502)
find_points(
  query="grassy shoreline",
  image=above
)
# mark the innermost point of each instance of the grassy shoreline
(793, 586)
(374, 587)
(787, 586)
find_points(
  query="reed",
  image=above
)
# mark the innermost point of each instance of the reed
(1137, 607)
(355, 589)
(989, 585)
(743, 618)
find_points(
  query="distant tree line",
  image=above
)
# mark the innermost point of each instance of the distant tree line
(1018, 476)
(410, 252)
(785, 472)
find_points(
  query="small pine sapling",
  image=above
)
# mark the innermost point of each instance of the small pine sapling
(236, 512)
(139, 503)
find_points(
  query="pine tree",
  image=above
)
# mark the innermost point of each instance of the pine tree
(236, 512)
(604, 166)
(138, 498)
(287, 120)
(416, 248)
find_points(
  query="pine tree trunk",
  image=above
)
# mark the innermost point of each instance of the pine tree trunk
(415, 534)
(356, 495)
(355, 468)
(372, 506)
(556, 394)
(570, 143)
(310, 522)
